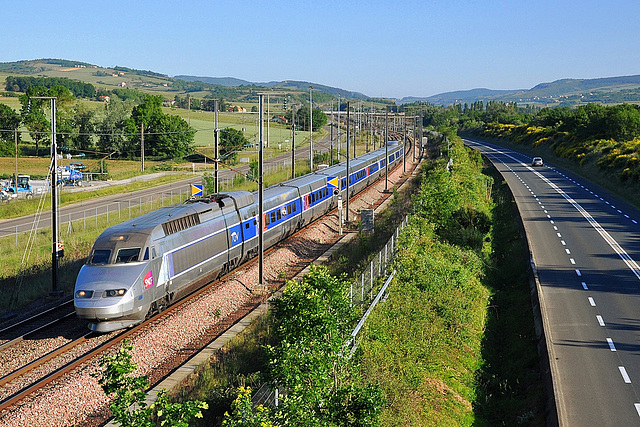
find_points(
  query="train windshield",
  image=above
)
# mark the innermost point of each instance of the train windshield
(100, 256)
(127, 255)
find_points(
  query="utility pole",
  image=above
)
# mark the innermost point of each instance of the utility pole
(15, 140)
(331, 137)
(386, 150)
(338, 131)
(216, 153)
(293, 141)
(404, 145)
(348, 171)
(311, 127)
(57, 251)
(260, 193)
(142, 147)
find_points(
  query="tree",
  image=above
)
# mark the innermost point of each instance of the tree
(9, 122)
(83, 123)
(302, 118)
(312, 322)
(33, 116)
(112, 133)
(231, 141)
(164, 135)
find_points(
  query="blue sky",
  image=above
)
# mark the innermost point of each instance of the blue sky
(379, 48)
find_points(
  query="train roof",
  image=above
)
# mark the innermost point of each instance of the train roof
(147, 223)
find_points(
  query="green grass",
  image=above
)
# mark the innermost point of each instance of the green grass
(510, 388)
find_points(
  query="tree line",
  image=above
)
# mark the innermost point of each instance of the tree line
(115, 129)
(585, 122)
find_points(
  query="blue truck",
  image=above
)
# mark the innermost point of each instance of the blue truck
(23, 189)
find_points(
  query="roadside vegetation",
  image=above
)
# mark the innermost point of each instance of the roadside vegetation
(453, 344)
(596, 141)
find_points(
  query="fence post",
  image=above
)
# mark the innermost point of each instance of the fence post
(371, 275)
(351, 292)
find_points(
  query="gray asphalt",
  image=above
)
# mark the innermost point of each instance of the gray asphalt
(585, 244)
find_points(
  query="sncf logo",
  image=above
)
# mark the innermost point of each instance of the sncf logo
(148, 280)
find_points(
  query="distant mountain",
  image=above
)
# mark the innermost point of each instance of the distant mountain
(564, 91)
(286, 84)
(460, 96)
(560, 92)
(222, 81)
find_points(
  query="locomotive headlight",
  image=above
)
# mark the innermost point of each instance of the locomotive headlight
(113, 293)
(84, 294)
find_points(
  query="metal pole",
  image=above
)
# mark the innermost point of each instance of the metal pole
(331, 138)
(386, 150)
(260, 195)
(142, 146)
(216, 131)
(348, 170)
(338, 131)
(15, 140)
(355, 133)
(404, 147)
(293, 141)
(415, 138)
(55, 257)
(310, 128)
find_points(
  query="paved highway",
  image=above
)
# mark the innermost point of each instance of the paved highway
(585, 244)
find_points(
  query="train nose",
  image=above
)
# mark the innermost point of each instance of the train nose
(102, 308)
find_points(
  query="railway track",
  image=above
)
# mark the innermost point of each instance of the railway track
(87, 348)
(12, 332)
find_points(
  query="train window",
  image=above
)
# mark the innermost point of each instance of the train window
(246, 226)
(266, 220)
(278, 215)
(146, 254)
(294, 207)
(273, 217)
(100, 256)
(288, 209)
(153, 252)
(127, 255)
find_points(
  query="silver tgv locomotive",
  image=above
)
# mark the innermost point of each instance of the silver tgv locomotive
(142, 265)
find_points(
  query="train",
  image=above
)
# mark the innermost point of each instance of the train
(139, 267)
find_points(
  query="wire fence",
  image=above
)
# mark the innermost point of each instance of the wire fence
(362, 290)
(362, 294)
